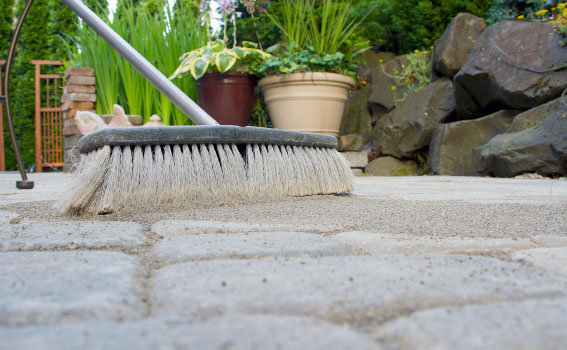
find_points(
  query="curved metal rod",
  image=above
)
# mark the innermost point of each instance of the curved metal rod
(24, 183)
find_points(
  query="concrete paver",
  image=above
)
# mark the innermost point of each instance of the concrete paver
(71, 235)
(394, 265)
(342, 288)
(188, 227)
(553, 260)
(521, 325)
(246, 245)
(57, 287)
(232, 332)
(376, 243)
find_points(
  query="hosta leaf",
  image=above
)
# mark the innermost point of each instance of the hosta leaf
(217, 46)
(224, 61)
(240, 52)
(249, 44)
(198, 67)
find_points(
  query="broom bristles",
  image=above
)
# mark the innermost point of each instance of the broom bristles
(112, 178)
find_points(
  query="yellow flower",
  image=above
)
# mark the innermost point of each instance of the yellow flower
(541, 12)
(521, 17)
(403, 66)
(395, 71)
(393, 88)
(432, 47)
(416, 51)
(562, 5)
(564, 115)
(381, 60)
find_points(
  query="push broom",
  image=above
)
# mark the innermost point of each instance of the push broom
(152, 165)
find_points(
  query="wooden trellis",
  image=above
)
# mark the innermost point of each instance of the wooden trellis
(48, 119)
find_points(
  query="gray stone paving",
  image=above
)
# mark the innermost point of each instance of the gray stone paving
(403, 263)
(71, 235)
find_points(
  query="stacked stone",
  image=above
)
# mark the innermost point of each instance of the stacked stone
(79, 94)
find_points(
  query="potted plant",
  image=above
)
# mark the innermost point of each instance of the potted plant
(225, 76)
(309, 77)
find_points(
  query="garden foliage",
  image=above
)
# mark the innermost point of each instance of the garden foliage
(162, 38)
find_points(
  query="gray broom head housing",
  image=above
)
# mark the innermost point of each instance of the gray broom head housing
(131, 167)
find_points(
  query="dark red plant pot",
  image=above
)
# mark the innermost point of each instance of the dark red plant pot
(227, 97)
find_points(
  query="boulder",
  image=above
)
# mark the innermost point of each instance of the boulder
(410, 126)
(356, 159)
(453, 47)
(452, 145)
(536, 149)
(357, 118)
(382, 81)
(371, 60)
(390, 166)
(353, 143)
(493, 79)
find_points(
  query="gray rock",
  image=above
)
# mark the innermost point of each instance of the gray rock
(342, 288)
(63, 287)
(352, 143)
(410, 126)
(390, 166)
(553, 260)
(356, 159)
(356, 171)
(490, 81)
(522, 325)
(174, 249)
(382, 81)
(529, 150)
(452, 145)
(371, 60)
(357, 118)
(453, 47)
(378, 243)
(377, 111)
(234, 332)
(71, 235)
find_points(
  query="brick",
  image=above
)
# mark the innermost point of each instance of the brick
(80, 80)
(87, 89)
(71, 141)
(69, 122)
(78, 97)
(82, 106)
(70, 130)
(71, 113)
(79, 71)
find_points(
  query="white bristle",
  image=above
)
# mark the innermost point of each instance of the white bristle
(111, 178)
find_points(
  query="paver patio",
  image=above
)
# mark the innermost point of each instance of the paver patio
(401, 263)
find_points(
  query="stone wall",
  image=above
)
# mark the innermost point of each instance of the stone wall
(79, 94)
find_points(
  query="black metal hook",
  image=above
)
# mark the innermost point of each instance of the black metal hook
(24, 183)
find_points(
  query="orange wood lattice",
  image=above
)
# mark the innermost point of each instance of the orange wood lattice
(48, 117)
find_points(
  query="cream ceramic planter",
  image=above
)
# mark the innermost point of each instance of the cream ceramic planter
(307, 101)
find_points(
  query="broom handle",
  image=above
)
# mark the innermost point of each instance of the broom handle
(158, 80)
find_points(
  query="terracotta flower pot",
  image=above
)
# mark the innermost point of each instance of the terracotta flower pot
(227, 97)
(307, 101)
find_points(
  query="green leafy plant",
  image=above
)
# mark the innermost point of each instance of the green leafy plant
(414, 75)
(317, 38)
(290, 59)
(161, 38)
(216, 57)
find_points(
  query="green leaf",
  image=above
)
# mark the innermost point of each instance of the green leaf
(249, 44)
(199, 67)
(224, 61)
